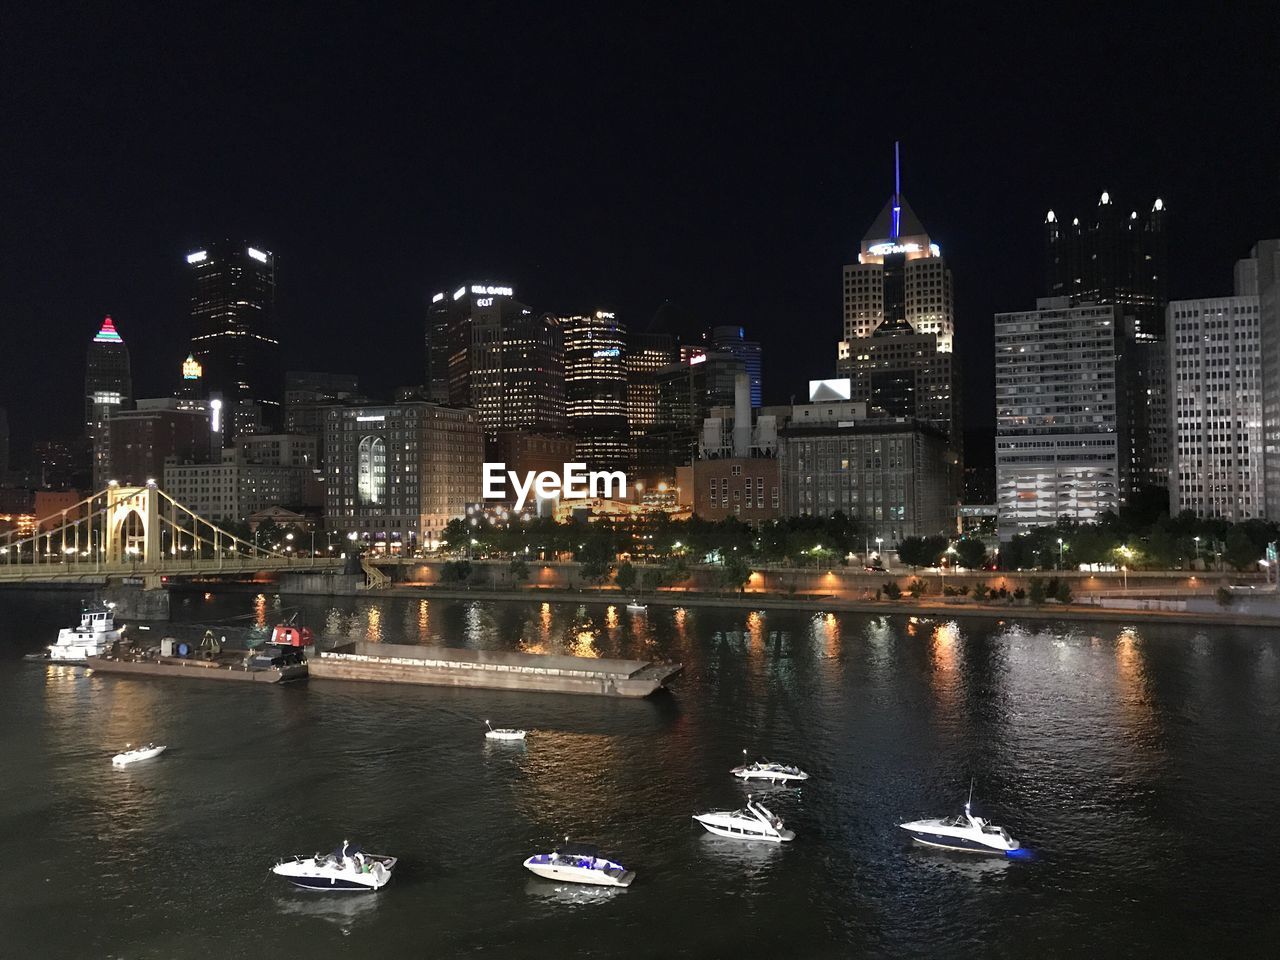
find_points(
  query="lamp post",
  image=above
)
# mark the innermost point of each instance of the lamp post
(879, 552)
(1197, 559)
(1059, 567)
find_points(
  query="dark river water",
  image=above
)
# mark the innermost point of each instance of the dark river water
(1140, 763)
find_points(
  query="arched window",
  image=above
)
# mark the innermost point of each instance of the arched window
(371, 471)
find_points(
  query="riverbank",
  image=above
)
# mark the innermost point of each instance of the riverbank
(923, 606)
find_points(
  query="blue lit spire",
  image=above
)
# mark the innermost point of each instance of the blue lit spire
(897, 194)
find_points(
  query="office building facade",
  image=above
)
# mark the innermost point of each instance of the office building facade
(108, 390)
(888, 475)
(595, 374)
(1061, 433)
(488, 351)
(1266, 285)
(1113, 257)
(235, 336)
(142, 440)
(397, 473)
(234, 488)
(1215, 364)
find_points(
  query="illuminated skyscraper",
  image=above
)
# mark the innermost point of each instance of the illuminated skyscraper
(486, 350)
(1061, 439)
(899, 324)
(1113, 257)
(733, 341)
(234, 332)
(596, 389)
(108, 389)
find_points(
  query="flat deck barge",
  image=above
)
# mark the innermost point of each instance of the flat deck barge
(187, 668)
(491, 669)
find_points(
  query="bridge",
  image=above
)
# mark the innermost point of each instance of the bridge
(136, 531)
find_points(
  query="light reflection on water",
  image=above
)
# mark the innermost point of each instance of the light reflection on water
(1127, 758)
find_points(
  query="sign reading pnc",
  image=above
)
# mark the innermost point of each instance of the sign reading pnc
(574, 483)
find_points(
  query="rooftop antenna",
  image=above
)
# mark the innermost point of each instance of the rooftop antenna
(897, 192)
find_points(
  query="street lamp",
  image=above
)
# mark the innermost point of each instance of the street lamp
(1197, 540)
(1059, 553)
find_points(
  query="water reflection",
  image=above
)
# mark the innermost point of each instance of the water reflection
(971, 866)
(342, 910)
(572, 894)
(748, 858)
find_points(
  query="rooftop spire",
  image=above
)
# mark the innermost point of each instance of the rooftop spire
(108, 332)
(897, 193)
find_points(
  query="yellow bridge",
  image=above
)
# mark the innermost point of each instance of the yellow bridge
(137, 532)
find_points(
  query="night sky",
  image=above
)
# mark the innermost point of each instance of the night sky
(613, 156)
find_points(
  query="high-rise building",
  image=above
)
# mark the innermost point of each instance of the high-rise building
(1061, 441)
(486, 350)
(307, 397)
(65, 464)
(1215, 364)
(1266, 256)
(1113, 257)
(108, 389)
(235, 337)
(595, 375)
(157, 431)
(647, 354)
(687, 393)
(899, 327)
(733, 341)
(397, 473)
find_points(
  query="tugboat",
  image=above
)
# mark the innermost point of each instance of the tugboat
(96, 633)
(576, 863)
(347, 868)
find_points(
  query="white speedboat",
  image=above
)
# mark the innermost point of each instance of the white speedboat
(765, 770)
(96, 633)
(347, 868)
(576, 863)
(635, 606)
(965, 832)
(502, 733)
(144, 752)
(752, 822)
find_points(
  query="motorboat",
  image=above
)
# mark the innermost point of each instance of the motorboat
(92, 638)
(965, 832)
(578, 863)
(766, 770)
(144, 752)
(503, 733)
(635, 606)
(347, 868)
(752, 822)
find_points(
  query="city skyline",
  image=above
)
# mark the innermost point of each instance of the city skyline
(750, 238)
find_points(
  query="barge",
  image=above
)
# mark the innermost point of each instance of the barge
(219, 668)
(491, 669)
